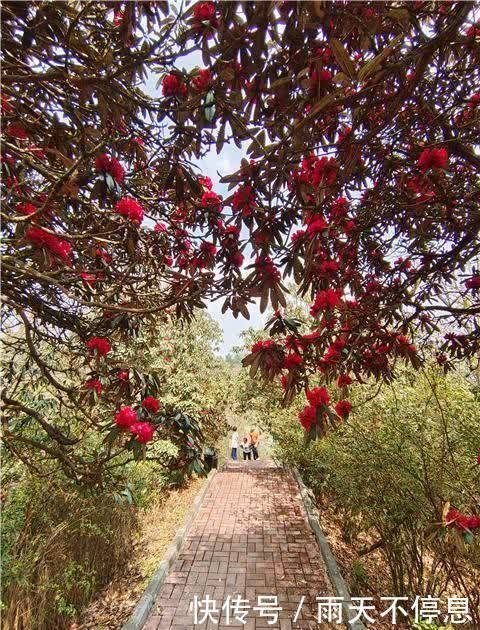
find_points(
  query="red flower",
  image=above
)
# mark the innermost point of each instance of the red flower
(292, 361)
(461, 521)
(206, 182)
(244, 200)
(16, 131)
(318, 397)
(99, 345)
(125, 417)
(433, 158)
(326, 300)
(5, 105)
(262, 345)
(266, 269)
(55, 245)
(88, 278)
(151, 404)
(344, 380)
(143, 431)
(473, 283)
(205, 12)
(203, 80)
(123, 376)
(343, 408)
(95, 384)
(130, 209)
(339, 209)
(106, 164)
(26, 208)
(308, 417)
(210, 199)
(172, 85)
(317, 225)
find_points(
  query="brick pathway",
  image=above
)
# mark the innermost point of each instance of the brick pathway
(249, 538)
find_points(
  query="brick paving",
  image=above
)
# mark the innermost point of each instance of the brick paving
(250, 538)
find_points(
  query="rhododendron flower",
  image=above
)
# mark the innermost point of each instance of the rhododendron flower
(339, 209)
(130, 209)
(26, 208)
(244, 200)
(266, 269)
(202, 81)
(125, 417)
(317, 226)
(283, 381)
(106, 164)
(88, 278)
(326, 300)
(433, 158)
(5, 105)
(94, 383)
(308, 417)
(55, 245)
(172, 85)
(344, 380)
(461, 521)
(210, 199)
(16, 131)
(329, 267)
(292, 361)
(473, 283)
(206, 182)
(310, 338)
(143, 431)
(203, 13)
(343, 408)
(296, 236)
(262, 345)
(151, 404)
(318, 396)
(99, 346)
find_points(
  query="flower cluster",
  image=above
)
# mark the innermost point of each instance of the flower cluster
(131, 209)
(202, 81)
(99, 346)
(106, 164)
(433, 159)
(258, 346)
(325, 301)
(460, 521)
(126, 420)
(266, 269)
(53, 243)
(205, 15)
(244, 200)
(172, 85)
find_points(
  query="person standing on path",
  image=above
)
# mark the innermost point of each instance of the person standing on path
(246, 448)
(254, 441)
(234, 443)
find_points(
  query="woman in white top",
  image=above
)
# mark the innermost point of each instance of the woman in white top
(234, 443)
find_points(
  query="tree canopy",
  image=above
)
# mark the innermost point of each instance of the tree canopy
(359, 122)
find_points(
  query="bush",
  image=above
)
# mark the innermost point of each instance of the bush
(393, 469)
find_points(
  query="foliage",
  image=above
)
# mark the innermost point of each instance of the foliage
(362, 126)
(395, 469)
(64, 538)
